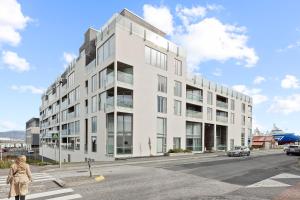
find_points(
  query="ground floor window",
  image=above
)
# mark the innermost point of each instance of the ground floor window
(176, 143)
(94, 144)
(194, 136)
(110, 134)
(161, 144)
(124, 133)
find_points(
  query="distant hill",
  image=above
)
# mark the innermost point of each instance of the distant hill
(13, 134)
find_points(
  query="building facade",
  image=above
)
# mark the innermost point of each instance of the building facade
(128, 95)
(32, 139)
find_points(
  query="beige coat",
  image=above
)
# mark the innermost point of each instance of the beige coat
(18, 180)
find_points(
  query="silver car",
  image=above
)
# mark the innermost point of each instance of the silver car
(239, 151)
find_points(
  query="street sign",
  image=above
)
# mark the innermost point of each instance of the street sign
(55, 136)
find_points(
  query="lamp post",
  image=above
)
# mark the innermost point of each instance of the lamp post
(61, 81)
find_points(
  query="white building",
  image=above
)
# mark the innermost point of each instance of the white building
(128, 95)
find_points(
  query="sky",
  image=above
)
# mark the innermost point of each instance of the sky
(252, 46)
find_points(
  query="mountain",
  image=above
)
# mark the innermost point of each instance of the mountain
(13, 134)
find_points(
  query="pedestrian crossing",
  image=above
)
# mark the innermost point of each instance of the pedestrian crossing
(36, 177)
(62, 194)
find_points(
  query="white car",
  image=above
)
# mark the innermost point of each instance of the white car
(239, 151)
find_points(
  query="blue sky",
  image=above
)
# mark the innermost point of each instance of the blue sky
(230, 42)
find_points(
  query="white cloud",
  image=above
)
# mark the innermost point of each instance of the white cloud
(290, 46)
(68, 58)
(203, 38)
(28, 88)
(6, 125)
(159, 17)
(12, 20)
(255, 93)
(217, 72)
(290, 81)
(286, 105)
(259, 80)
(14, 62)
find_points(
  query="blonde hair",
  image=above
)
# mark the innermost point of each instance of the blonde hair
(21, 163)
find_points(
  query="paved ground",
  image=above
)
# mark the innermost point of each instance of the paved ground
(262, 176)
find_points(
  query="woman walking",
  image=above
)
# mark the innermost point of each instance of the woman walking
(19, 177)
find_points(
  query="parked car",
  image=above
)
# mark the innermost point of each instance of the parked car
(285, 148)
(239, 151)
(293, 150)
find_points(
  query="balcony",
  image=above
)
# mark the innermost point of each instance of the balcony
(222, 104)
(221, 118)
(194, 114)
(125, 101)
(194, 94)
(125, 77)
(109, 102)
(71, 115)
(110, 78)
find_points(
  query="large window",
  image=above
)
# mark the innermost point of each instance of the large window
(94, 124)
(94, 104)
(106, 50)
(178, 67)
(155, 58)
(102, 78)
(94, 144)
(243, 137)
(161, 135)
(209, 98)
(194, 136)
(209, 114)
(161, 104)
(243, 108)
(162, 84)
(77, 110)
(177, 107)
(124, 134)
(110, 134)
(177, 89)
(71, 79)
(243, 120)
(94, 83)
(232, 104)
(176, 143)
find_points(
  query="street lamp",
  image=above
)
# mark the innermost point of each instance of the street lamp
(60, 83)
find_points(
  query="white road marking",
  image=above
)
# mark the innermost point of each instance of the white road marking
(285, 175)
(46, 194)
(68, 197)
(268, 183)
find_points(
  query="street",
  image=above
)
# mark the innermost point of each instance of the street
(258, 177)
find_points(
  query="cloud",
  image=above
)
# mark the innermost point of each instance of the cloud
(259, 80)
(204, 38)
(14, 62)
(290, 46)
(12, 20)
(255, 93)
(68, 58)
(28, 88)
(159, 17)
(290, 81)
(217, 72)
(285, 105)
(6, 125)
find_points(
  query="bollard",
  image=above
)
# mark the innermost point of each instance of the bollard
(89, 164)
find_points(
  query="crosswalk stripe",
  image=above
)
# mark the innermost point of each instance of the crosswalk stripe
(268, 183)
(45, 194)
(38, 180)
(68, 197)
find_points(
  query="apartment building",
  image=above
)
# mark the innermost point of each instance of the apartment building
(32, 139)
(128, 95)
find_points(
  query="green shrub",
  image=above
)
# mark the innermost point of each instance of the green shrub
(5, 164)
(187, 151)
(179, 151)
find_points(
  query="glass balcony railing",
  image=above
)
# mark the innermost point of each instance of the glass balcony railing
(110, 78)
(194, 114)
(222, 119)
(222, 104)
(125, 77)
(109, 102)
(125, 101)
(71, 115)
(194, 97)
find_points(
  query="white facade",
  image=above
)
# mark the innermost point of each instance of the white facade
(140, 101)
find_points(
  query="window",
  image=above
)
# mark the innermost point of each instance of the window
(64, 115)
(161, 104)
(110, 134)
(94, 104)
(77, 110)
(94, 144)
(162, 84)
(94, 124)
(102, 100)
(232, 118)
(177, 107)
(71, 97)
(243, 137)
(176, 143)
(124, 134)
(232, 104)
(77, 94)
(194, 136)
(71, 79)
(94, 83)
(243, 120)
(209, 98)
(250, 109)
(243, 108)
(177, 89)
(106, 50)
(77, 127)
(102, 78)
(155, 58)
(161, 134)
(209, 114)
(178, 67)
